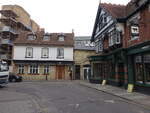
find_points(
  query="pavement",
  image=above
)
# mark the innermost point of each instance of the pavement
(134, 97)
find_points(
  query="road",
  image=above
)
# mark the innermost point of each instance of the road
(61, 97)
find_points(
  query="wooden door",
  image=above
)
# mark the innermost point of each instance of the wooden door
(60, 72)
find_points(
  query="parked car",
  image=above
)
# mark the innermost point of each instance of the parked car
(15, 78)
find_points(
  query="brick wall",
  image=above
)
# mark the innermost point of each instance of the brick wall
(144, 29)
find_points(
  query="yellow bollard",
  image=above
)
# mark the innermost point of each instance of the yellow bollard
(130, 88)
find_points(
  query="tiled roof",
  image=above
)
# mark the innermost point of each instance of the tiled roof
(53, 41)
(117, 11)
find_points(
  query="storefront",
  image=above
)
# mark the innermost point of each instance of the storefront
(110, 67)
(139, 66)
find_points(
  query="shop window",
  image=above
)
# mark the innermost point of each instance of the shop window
(20, 69)
(142, 69)
(46, 69)
(29, 52)
(147, 68)
(34, 69)
(138, 69)
(45, 52)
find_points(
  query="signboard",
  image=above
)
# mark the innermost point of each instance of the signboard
(130, 88)
(104, 82)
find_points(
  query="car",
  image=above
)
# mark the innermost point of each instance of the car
(15, 78)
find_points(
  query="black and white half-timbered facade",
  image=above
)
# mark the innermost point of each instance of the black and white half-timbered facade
(108, 35)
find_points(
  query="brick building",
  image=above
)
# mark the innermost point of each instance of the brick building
(122, 38)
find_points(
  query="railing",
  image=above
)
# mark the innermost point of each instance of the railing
(5, 57)
(8, 29)
(6, 41)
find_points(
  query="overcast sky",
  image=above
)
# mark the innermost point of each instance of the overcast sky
(63, 15)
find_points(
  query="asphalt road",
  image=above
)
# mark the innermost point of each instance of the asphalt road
(61, 97)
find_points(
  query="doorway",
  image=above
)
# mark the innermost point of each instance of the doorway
(60, 72)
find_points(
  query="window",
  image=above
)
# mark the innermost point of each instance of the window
(45, 52)
(142, 68)
(46, 69)
(20, 69)
(29, 52)
(33, 69)
(99, 46)
(104, 19)
(60, 53)
(31, 37)
(61, 38)
(46, 38)
(115, 37)
(134, 31)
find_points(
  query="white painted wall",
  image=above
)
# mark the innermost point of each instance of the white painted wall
(20, 52)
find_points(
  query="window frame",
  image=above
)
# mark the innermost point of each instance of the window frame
(21, 69)
(33, 69)
(31, 38)
(59, 52)
(46, 37)
(134, 35)
(46, 69)
(61, 38)
(26, 56)
(42, 52)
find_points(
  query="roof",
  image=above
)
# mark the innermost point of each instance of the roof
(80, 43)
(23, 40)
(117, 11)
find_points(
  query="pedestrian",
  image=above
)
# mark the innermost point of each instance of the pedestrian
(70, 74)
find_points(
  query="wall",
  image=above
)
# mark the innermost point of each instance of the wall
(81, 58)
(20, 51)
(144, 29)
(35, 26)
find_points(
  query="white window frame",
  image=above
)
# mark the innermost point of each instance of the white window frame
(46, 69)
(134, 34)
(34, 69)
(31, 37)
(29, 50)
(46, 38)
(20, 69)
(60, 53)
(45, 52)
(61, 38)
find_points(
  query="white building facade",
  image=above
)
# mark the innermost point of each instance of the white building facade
(49, 55)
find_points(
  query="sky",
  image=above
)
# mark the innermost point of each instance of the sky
(63, 15)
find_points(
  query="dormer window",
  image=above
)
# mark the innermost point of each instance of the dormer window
(61, 38)
(46, 37)
(31, 37)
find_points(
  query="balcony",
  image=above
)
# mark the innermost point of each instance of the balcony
(5, 57)
(6, 42)
(8, 29)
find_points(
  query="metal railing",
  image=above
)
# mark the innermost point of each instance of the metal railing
(8, 29)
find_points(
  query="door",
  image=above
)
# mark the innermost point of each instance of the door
(60, 72)
(77, 72)
(87, 72)
(121, 74)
